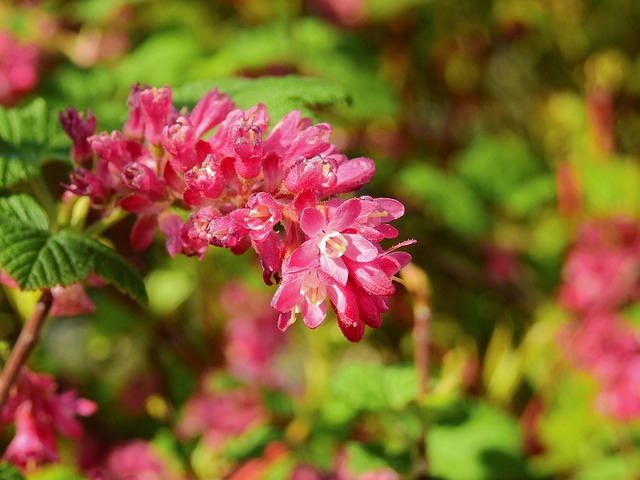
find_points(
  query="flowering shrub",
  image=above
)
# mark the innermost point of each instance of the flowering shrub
(445, 194)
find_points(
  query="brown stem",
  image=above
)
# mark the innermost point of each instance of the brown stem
(26, 341)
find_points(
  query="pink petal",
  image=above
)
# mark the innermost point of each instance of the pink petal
(336, 268)
(345, 215)
(360, 249)
(143, 231)
(304, 255)
(312, 221)
(313, 314)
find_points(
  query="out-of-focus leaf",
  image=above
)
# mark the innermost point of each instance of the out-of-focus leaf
(611, 188)
(360, 385)
(496, 166)
(612, 466)
(161, 59)
(29, 136)
(280, 94)
(249, 49)
(55, 472)
(476, 442)
(569, 419)
(527, 199)
(323, 52)
(9, 472)
(444, 196)
(250, 444)
(400, 385)
(365, 458)
(383, 9)
(373, 387)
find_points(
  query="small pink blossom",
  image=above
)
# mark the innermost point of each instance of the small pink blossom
(18, 68)
(38, 412)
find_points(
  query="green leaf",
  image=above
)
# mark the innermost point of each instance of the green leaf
(444, 196)
(359, 385)
(372, 387)
(496, 166)
(109, 265)
(280, 94)
(9, 472)
(162, 58)
(55, 472)
(22, 208)
(36, 258)
(476, 442)
(29, 136)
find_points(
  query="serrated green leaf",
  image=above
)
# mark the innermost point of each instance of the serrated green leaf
(29, 136)
(109, 265)
(280, 94)
(22, 208)
(37, 259)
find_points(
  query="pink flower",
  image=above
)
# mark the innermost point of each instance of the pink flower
(79, 128)
(34, 442)
(18, 68)
(39, 412)
(138, 460)
(329, 240)
(218, 415)
(602, 270)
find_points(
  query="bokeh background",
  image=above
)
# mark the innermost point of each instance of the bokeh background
(508, 128)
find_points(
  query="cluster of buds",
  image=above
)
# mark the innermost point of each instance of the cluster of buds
(601, 279)
(38, 412)
(246, 186)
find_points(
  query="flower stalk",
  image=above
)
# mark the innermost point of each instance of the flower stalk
(24, 345)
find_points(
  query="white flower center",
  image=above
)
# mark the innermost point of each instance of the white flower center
(333, 245)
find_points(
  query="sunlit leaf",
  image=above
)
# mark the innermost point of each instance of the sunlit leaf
(29, 136)
(37, 258)
(475, 442)
(280, 94)
(444, 196)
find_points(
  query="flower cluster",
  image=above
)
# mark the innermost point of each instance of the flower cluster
(38, 412)
(601, 278)
(246, 186)
(18, 68)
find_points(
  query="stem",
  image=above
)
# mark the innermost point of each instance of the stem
(26, 341)
(417, 284)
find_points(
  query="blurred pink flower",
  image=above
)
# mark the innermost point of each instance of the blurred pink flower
(253, 339)
(135, 460)
(18, 68)
(606, 347)
(602, 270)
(38, 412)
(218, 414)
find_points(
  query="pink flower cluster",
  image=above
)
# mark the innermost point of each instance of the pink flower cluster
(247, 187)
(38, 413)
(601, 277)
(18, 68)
